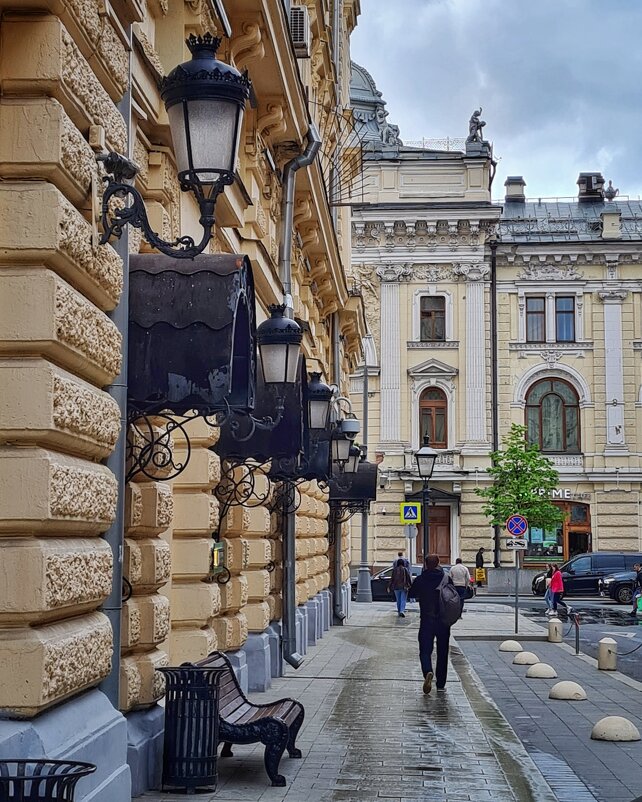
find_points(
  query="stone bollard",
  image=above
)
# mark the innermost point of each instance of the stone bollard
(607, 655)
(555, 630)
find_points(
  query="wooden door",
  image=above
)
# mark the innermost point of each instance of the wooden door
(439, 535)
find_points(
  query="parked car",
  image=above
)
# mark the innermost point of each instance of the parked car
(379, 583)
(583, 572)
(618, 586)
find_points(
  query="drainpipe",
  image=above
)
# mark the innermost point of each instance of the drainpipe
(289, 182)
(288, 639)
(494, 397)
(339, 614)
(112, 607)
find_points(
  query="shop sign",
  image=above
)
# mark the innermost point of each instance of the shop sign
(564, 494)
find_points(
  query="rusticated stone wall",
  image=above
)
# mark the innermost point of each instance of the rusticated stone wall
(58, 349)
(312, 564)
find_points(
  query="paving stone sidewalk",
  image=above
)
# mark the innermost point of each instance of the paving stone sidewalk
(371, 734)
(557, 733)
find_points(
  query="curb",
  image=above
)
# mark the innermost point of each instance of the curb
(591, 661)
(529, 637)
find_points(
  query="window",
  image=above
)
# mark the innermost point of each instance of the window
(581, 565)
(433, 420)
(553, 417)
(564, 319)
(432, 324)
(535, 319)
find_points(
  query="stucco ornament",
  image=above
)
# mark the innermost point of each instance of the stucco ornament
(76, 155)
(433, 273)
(161, 618)
(550, 273)
(394, 272)
(76, 661)
(82, 494)
(78, 578)
(472, 272)
(162, 562)
(85, 412)
(165, 509)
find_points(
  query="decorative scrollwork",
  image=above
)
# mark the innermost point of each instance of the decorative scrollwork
(150, 448)
(342, 511)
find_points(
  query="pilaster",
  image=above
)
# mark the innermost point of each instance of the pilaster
(615, 432)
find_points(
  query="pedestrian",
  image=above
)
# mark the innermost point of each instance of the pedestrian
(479, 566)
(548, 595)
(400, 556)
(400, 583)
(461, 577)
(439, 608)
(557, 589)
(637, 588)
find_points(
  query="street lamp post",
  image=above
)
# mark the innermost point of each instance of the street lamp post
(364, 587)
(426, 458)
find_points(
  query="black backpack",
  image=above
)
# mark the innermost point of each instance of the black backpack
(449, 602)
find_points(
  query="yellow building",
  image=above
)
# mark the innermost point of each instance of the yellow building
(78, 79)
(486, 314)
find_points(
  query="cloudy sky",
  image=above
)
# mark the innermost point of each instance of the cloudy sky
(560, 81)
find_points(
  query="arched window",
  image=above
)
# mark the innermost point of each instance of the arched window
(433, 417)
(553, 416)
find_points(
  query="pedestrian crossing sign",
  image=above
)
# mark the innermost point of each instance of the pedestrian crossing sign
(410, 512)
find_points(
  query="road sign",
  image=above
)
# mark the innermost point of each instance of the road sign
(517, 526)
(517, 543)
(410, 512)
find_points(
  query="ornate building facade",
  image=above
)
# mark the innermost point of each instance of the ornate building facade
(78, 78)
(487, 314)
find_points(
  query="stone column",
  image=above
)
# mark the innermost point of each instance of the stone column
(476, 345)
(613, 369)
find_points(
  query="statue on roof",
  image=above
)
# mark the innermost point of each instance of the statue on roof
(475, 126)
(389, 133)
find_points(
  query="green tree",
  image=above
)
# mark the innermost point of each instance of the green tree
(523, 479)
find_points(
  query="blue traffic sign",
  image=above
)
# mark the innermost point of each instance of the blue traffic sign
(517, 525)
(410, 512)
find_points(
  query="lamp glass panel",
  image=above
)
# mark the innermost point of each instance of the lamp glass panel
(425, 465)
(352, 465)
(292, 370)
(340, 449)
(319, 414)
(273, 362)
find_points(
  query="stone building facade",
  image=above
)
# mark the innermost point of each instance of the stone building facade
(527, 310)
(77, 78)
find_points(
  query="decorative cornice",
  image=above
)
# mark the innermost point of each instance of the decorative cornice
(394, 273)
(612, 296)
(424, 345)
(551, 352)
(472, 272)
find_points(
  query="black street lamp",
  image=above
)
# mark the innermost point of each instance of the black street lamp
(279, 341)
(426, 458)
(354, 458)
(339, 449)
(205, 101)
(319, 399)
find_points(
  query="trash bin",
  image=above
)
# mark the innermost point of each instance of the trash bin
(41, 780)
(191, 727)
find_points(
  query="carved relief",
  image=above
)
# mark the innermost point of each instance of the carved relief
(103, 263)
(81, 81)
(433, 273)
(133, 506)
(549, 273)
(161, 618)
(134, 624)
(247, 46)
(162, 562)
(78, 660)
(272, 120)
(133, 683)
(473, 272)
(85, 494)
(133, 562)
(148, 49)
(78, 578)
(76, 155)
(82, 326)
(165, 509)
(85, 412)
(394, 272)
(113, 54)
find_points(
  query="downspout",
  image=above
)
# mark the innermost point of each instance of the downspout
(337, 594)
(494, 396)
(288, 638)
(114, 536)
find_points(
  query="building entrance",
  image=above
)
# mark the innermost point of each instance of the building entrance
(571, 537)
(438, 534)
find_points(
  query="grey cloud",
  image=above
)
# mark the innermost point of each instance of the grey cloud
(559, 81)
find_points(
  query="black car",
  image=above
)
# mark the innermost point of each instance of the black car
(379, 583)
(618, 586)
(583, 572)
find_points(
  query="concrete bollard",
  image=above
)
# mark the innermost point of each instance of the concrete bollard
(607, 655)
(555, 630)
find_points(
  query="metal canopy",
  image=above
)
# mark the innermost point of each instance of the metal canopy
(360, 486)
(191, 334)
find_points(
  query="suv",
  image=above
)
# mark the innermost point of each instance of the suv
(618, 586)
(583, 572)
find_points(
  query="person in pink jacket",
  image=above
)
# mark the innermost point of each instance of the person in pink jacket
(557, 589)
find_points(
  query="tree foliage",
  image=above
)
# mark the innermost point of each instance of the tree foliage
(523, 480)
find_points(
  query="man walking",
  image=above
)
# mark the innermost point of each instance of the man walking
(479, 566)
(400, 556)
(461, 578)
(432, 626)
(637, 588)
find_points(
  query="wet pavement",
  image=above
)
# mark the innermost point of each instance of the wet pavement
(371, 734)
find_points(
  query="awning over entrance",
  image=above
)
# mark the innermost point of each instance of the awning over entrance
(192, 333)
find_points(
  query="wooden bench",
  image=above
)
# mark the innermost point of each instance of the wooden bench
(275, 724)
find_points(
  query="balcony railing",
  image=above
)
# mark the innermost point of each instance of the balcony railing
(567, 460)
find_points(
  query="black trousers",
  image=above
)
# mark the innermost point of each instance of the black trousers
(431, 630)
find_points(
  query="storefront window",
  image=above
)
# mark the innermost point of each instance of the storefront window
(545, 545)
(557, 545)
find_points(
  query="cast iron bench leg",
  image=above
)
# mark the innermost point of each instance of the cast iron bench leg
(227, 750)
(275, 738)
(294, 731)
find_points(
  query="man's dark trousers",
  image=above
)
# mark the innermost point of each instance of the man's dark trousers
(431, 629)
(462, 595)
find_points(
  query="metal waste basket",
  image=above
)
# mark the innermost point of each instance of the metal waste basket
(191, 727)
(41, 780)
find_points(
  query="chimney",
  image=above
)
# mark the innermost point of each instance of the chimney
(591, 188)
(611, 218)
(515, 189)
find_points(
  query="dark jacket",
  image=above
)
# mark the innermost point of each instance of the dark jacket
(638, 580)
(400, 579)
(479, 560)
(424, 589)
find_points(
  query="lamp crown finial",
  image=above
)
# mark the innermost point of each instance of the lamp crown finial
(207, 42)
(277, 310)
